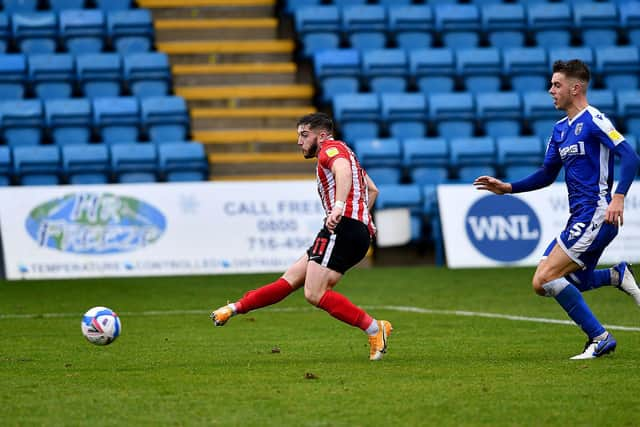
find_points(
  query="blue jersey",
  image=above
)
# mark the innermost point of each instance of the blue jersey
(584, 147)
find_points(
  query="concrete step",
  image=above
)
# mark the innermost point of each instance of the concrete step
(264, 165)
(266, 177)
(246, 136)
(224, 51)
(234, 96)
(179, 9)
(230, 118)
(242, 73)
(168, 30)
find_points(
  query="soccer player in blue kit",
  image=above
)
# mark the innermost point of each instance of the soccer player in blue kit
(584, 143)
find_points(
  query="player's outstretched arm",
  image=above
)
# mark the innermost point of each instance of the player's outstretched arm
(492, 184)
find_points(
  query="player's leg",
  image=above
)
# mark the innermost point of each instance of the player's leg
(266, 295)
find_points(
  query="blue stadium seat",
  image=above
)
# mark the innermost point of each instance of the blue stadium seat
(183, 162)
(318, 28)
(165, 118)
(291, 6)
(385, 175)
(385, 70)
(62, 5)
(99, 75)
(69, 121)
(423, 175)
(13, 76)
(539, 113)
(499, 113)
(35, 32)
(394, 3)
(504, 24)
(585, 54)
(452, 114)
(404, 114)
(5, 166)
(480, 69)
(130, 31)
(82, 31)
(473, 157)
(357, 115)
(109, 5)
(526, 68)
(117, 119)
(134, 163)
(426, 159)
(86, 164)
(518, 156)
(404, 196)
(629, 110)
(5, 32)
(412, 27)
(597, 22)
(365, 26)
(550, 24)
(337, 71)
(433, 70)
(14, 6)
(383, 152)
(458, 24)
(147, 74)
(605, 101)
(52, 76)
(618, 66)
(630, 21)
(37, 165)
(22, 122)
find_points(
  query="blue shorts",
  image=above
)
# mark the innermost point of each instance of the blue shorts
(585, 237)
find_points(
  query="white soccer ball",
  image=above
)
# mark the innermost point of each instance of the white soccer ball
(101, 326)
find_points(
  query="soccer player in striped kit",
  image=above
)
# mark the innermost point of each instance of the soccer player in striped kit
(347, 194)
(584, 143)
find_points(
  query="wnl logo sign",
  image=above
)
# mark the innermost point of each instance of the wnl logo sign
(503, 228)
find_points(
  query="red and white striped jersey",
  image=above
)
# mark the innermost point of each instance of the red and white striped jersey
(356, 205)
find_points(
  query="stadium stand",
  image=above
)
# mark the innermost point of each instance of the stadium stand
(82, 31)
(411, 27)
(180, 161)
(147, 74)
(133, 163)
(99, 75)
(86, 164)
(5, 165)
(472, 157)
(337, 71)
(69, 121)
(165, 118)
(404, 114)
(13, 76)
(37, 165)
(364, 26)
(117, 119)
(385, 70)
(35, 32)
(51, 76)
(22, 122)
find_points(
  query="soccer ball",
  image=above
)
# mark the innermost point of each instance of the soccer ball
(101, 326)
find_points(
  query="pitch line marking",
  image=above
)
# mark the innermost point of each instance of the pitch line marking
(399, 308)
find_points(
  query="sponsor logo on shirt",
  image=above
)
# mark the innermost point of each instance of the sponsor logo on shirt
(332, 152)
(573, 150)
(615, 136)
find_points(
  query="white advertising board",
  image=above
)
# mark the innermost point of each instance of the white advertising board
(482, 229)
(156, 229)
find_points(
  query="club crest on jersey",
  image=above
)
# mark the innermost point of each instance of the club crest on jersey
(578, 129)
(331, 152)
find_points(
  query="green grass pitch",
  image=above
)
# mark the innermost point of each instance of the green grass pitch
(294, 365)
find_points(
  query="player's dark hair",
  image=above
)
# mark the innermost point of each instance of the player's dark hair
(573, 68)
(317, 121)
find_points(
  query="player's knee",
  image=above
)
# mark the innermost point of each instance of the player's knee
(312, 296)
(538, 283)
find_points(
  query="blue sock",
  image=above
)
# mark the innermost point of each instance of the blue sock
(588, 280)
(571, 300)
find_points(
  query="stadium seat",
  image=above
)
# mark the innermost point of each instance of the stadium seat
(605, 101)
(403, 196)
(62, 5)
(134, 163)
(480, 69)
(68, 121)
(117, 119)
(411, 27)
(473, 157)
(365, 26)
(385, 175)
(385, 70)
(426, 159)
(585, 54)
(86, 164)
(5, 32)
(504, 24)
(109, 5)
(19, 6)
(618, 66)
(291, 6)
(5, 166)
(384, 152)
(458, 24)
(147, 74)
(35, 32)
(539, 113)
(165, 118)
(13, 76)
(183, 162)
(358, 115)
(550, 24)
(452, 114)
(37, 165)
(518, 156)
(52, 76)
(404, 114)
(629, 110)
(526, 68)
(337, 71)
(433, 70)
(82, 31)
(422, 175)
(630, 21)
(130, 31)
(318, 28)
(99, 75)
(597, 23)
(22, 122)
(499, 113)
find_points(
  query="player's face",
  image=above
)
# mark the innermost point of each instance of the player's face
(561, 90)
(309, 141)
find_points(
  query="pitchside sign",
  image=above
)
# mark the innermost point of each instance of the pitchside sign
(482, 229)
(157, 229)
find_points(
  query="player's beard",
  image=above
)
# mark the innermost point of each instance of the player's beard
(312, 151)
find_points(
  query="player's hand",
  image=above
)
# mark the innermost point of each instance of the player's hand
(333, 219)
(615, 211)
(492, 184)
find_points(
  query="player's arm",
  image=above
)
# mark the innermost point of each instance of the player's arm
(372, 190)
(341, 169)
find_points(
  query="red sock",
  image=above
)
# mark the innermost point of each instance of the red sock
(341, 308)
(264, 296)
